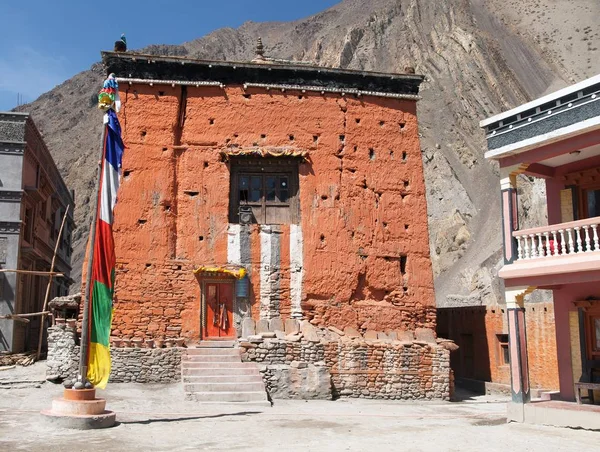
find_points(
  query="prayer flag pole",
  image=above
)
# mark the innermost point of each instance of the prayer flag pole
(85, 327)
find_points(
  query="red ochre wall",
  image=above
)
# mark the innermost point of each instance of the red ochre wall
(362, 205)
(485, 363)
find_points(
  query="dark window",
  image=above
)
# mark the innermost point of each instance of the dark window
(268, 188)
(28, 226)
(504, 352)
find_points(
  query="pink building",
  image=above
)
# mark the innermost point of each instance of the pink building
(557, 138)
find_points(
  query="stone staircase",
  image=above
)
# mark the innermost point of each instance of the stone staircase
(213, 372)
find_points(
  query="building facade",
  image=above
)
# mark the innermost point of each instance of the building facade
(268, 190)
(557, 138)
(33, 200)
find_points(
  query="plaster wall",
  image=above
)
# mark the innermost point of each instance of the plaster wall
(564, 310)
(362, 206)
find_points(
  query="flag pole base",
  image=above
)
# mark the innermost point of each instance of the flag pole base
(80, 409)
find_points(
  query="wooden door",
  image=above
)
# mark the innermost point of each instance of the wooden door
(219, 310)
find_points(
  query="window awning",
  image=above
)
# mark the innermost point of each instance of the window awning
(216, 270)
(265, 152)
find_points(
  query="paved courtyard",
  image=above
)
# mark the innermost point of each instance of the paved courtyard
(155, 417)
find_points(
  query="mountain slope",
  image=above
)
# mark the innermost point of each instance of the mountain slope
(479, 56)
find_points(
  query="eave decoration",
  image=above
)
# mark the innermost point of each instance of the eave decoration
(265, 152)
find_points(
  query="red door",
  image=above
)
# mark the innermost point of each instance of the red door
(219, 310)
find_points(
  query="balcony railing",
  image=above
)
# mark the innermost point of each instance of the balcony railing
(558, 239)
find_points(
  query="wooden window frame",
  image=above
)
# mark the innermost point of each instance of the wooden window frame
(264, 167)
(503, 350)
(590, 316)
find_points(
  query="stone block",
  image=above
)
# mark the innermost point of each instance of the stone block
(279, 334)
(299, 364)
(293, 338)
(262, 326)
(351, 332)
(335, 330)
(257, 338)
(292, 326)
(268, 334)
(425, 334)
(276, 324)
(371, 335)
(382, 336)
(248, 327)
(392, 335)
(405, 336)
(310, 332)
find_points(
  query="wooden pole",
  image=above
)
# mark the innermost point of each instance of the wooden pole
(85, 326)
(32, 272)
(43, 318)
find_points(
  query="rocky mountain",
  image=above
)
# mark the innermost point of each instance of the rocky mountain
(480, 57)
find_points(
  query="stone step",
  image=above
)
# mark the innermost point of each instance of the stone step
(550, 395)
(222, 379)
(224, 397)
(215, 371)
(214, 344)
(212, 358)
(225, 387)
(216, 364)
(213, 351)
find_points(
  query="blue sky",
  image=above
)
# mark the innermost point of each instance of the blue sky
(45, 42)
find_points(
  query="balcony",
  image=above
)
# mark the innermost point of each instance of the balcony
(558, 253)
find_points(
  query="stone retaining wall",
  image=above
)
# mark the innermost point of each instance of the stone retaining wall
(309, 362)
(129, 365)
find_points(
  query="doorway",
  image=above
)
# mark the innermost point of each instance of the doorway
(218, 310)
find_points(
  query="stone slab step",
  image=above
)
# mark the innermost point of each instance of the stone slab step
(225, 397)
(222, 378)
(212, 358)
(214, 344)
(225, 387)
(213, 351)
(216, 371)
(216, 365)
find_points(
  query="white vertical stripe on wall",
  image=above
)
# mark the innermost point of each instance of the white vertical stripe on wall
(296, 270)
(265, 271)
(233, 244)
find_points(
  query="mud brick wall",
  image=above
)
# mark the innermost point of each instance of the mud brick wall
(156, 300)
(129, 365)
(363, 216)
(481, 326)
(355, 368)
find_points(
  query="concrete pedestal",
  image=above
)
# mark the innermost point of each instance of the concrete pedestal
(80, 409)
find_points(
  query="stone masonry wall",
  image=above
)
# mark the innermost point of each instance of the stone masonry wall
(308, 362)
(129, 365)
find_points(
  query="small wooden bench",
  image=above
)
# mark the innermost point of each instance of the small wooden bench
(590, 389)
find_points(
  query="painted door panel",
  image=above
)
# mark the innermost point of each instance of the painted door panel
(219, 310)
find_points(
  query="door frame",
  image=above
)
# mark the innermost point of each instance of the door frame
(203, 313)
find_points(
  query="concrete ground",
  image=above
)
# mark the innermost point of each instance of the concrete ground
(155, 417)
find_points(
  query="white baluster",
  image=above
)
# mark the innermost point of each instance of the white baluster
(519, 248)
(595, 229)
(533, 246)
(540, 250)
(578, 239)
(527, 250)
(587, 239)
(571, 243)
(547, 237)
(563, 242)
(554, 244)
